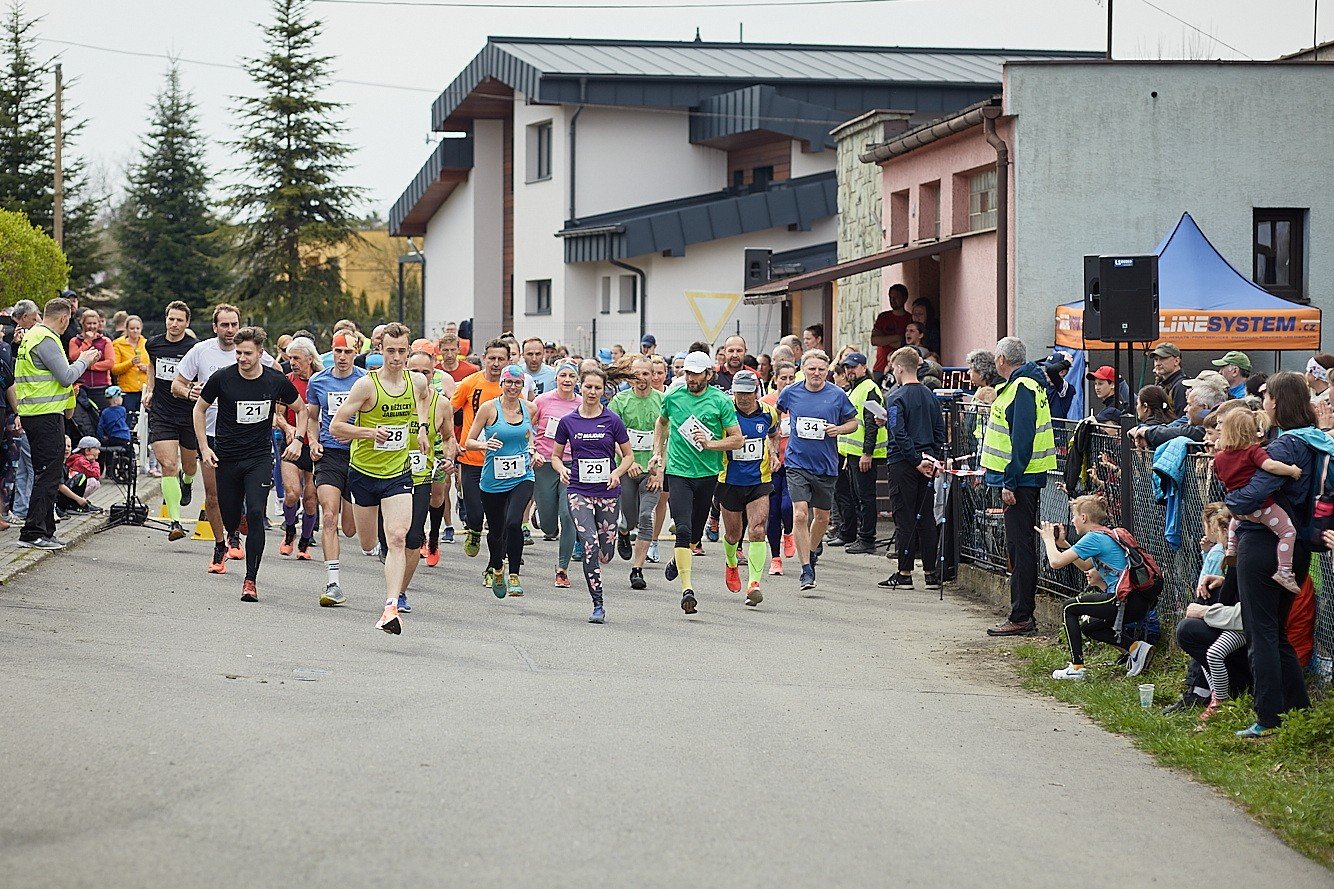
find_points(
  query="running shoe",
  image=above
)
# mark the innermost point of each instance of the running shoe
(816, 553)
(187, 489)
(688, 604)
(219, 563)
(753, 594)
(562, 579)
(175, 532)
(1139, 657)
(637, 581)
(289, 537)
(670, 571)
(403, 605)
(775, 566)
(808, 578)
(248, 591)
(1255, 732)
(623, 548)
(234, 550)
(332, 595)
(653, 552)
(389, 621)
(514, 588)
(528, 536)
(1079, 674)
(472, 542)
(732, 577)
(496, 581)
(449, 533)
(789, 546)
(42, 543)
(433, 555)
(598, 616)
(303, 549)
(712, 532)
(578, 554)
(896, 581)
(697, 549)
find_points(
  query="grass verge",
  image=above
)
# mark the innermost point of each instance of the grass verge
(1286, 782)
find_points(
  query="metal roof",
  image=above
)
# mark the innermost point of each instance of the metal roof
(448, 165)
(760, 109)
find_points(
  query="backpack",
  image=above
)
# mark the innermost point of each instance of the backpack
(1141, 578)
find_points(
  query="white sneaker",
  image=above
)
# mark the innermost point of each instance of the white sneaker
(1139, 658)
(653, 552)
(1070, 672)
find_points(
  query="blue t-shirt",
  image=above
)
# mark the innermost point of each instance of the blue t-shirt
(544, 380)
(810, 413)
(1213, 561)
(1106, 553)
(328, 392)
(1237, 391)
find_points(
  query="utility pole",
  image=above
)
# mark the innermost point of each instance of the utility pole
(58, 207)
(1109, 29)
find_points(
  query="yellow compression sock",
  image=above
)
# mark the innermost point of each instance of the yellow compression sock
(756, 551)
(682, 555)
(729, 549)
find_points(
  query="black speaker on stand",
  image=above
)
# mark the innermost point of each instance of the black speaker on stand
(1128, 288)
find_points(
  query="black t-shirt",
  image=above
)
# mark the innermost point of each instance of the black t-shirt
(165, 355)
(245, 410)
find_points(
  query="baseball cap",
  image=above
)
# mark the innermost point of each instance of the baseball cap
(1105, 373)
(1234, 358)
(88, 441)
(854, 359)
(1109, 415)
(698, 362)
(113, 392)
(1165, 350)
(423, 345)
(745, 381)
(648, 340)
(1210, 377)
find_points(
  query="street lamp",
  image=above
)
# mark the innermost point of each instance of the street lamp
(416, 259)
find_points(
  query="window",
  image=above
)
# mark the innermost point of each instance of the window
(1280, 252)
(539, 297)
(898, 217)
(628, 298)
(760, 177)
(604, 303)
(928, 211)
(539, 151)
(982, 200)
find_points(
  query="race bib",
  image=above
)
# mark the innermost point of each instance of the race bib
(687, 430)
(513, 466)
(596, 470)
(640, 441)
(165, 368)
(552, 423)
(750, 451)
(810, 427)
(418, 461)
(253, 411)
(785, 427)
(397, 440)
(336, 400)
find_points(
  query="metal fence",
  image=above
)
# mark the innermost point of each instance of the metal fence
(981, 533)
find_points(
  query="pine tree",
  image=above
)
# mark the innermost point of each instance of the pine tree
(289, 204)
(27, 150)
(168, 237)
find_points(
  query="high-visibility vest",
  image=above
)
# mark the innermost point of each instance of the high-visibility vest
(996, 445)
(851, 444)
(38, 390)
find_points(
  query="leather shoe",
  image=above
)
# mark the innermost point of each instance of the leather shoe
(1010, 628)
(859, 546)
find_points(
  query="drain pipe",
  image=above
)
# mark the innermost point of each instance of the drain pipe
(643, 287)
(574, 141)
(989, 115)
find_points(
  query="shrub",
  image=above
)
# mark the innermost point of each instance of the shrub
(31, 265)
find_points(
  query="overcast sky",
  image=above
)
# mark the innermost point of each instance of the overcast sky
(415, 53)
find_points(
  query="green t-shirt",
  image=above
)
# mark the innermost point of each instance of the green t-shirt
(640, 416)
(712, 409)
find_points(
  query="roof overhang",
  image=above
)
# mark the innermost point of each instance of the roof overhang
(965, 119)
(758, 114)
(446, 168)
(779, 291)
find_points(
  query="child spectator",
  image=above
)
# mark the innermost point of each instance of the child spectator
(113, 426)
(83, 476)
(1226, 619)
(1237, 456)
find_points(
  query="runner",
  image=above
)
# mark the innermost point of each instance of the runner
(473, 391)
(659, 513)
(745, 483)
(697, 422)
(781, 543)
(171, 431)
(375, 418)
(820, 413)
(326, 393)
(542, 375)
(502, 433)
(457, 370)
(443, 385)
(242, 399)
(298, 477)
(639, 408)
(192, 372)
(592, 439)
(553, 508)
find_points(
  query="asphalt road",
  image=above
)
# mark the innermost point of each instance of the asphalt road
(159, 732)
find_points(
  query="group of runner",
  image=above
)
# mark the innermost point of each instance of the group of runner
(375, 450)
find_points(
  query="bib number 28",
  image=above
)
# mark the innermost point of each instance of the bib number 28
(397, 439)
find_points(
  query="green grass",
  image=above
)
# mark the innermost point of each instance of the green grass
(1286, 782)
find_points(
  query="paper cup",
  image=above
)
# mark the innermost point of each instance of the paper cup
(1146, 695)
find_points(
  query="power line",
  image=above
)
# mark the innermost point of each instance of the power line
(492, 4)
(1197, 30)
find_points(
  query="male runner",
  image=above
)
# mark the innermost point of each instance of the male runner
(192, 372)
(820, 412)
(171, 429)
(325, 394)
(745, 484)
(240, 452)
(472, 392)
(639, 408)
(697, 422)
(429, 469)
(376, 418)
(542, 375)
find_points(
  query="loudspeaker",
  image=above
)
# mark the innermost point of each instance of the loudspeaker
(1129, 298)
(757, 267)
(1092, 300)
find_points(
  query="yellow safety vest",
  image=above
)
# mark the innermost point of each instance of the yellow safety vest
(997, 448)
(38, 390)
(851, 445)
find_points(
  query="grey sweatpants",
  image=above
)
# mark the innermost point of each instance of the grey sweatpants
(552, 509)
(638, 504)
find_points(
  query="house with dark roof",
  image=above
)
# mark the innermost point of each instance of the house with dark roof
(590, 191)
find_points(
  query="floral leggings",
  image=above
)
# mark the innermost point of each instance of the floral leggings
(595, 524)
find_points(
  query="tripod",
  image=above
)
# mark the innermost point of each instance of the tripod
(123, 469)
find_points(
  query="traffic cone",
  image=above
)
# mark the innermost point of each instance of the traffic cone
(203, 530)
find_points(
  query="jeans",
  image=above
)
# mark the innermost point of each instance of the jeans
(46, 437)
(553, 509)
(855, 494)
(1021, 548)
(1275, 670)
(22, 478)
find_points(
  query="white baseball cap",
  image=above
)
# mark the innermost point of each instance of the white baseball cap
(698, 362)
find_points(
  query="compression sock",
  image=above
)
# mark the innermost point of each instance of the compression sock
(682, 555)
(729, 549)
(755, 556)
(307, 525)
(171, 495)
(437, 514)
(187, 479)
(289, 515)
(332, 565)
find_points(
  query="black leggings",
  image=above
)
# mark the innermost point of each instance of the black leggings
(421, 505)
(689, 500)
(470, 483)
(504, 525)
(1100, 607)
(244, 486)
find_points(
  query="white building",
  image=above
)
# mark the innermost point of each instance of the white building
(591, 190)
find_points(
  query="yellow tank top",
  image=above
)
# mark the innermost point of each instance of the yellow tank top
(397, 413)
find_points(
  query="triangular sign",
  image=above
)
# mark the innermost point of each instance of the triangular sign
(712, 310)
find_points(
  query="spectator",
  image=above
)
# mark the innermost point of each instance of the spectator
(1204, 398)
(1318, 369)
(1108, 389)
(130, 367)
(887, 331)
(1235, 368)
(648, 345)
(1167, 373)
(982, 369)
(915, 335)
(97, 377)
(1018, 450)
(1060, 391)
(1194, 635)
(113, 424)
(812, 338)
(1255, 385)
(862, 453)
(924, 313)
(1152, 407)
(83, 476)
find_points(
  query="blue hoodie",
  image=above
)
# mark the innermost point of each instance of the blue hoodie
(1022, 415)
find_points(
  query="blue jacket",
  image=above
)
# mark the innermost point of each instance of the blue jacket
(1022, 415)
(113, 424)
(1169, 470)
